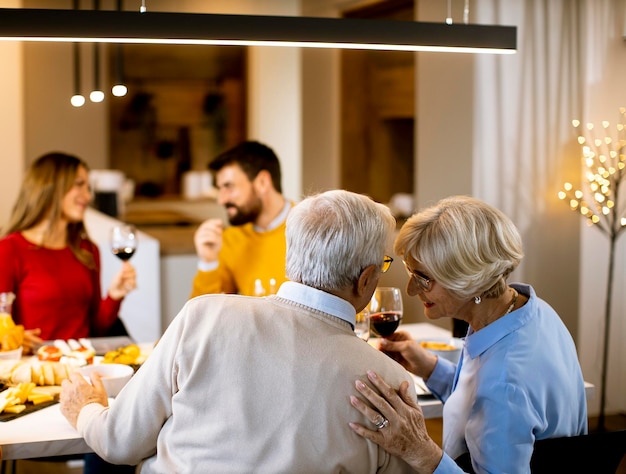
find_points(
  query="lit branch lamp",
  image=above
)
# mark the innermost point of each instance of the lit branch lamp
(603, 207)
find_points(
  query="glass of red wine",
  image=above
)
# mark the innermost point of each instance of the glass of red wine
(385, 310)
(123, 241)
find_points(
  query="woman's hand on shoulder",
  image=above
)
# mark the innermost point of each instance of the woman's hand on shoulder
(124, 282)
(405, 434)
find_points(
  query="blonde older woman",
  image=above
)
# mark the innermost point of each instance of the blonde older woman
(518, 379)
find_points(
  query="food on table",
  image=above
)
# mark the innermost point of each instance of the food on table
(75, 353)
(83, 355)
(14, 372)
(11, 334)
(437, 346)
(129, 355)
(14, 399)
(50, 353)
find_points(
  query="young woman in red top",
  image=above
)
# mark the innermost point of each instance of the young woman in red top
(50, 263)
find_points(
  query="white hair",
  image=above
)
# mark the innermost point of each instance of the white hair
(333, 236)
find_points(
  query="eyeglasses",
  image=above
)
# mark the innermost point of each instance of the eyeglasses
(425, 283)
(386, 263)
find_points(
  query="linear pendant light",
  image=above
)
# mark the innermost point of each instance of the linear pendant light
(252, 30)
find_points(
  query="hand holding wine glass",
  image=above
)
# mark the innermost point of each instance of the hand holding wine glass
(123, 246)
(385, 309)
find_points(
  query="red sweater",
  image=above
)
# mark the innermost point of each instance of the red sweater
(54, 290)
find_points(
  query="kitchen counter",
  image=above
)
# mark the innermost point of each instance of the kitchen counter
(173, 239)
(172, 221)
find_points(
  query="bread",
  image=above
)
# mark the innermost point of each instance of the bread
(22, 373)
(48, 374)
(61, 372)
(39, 373)
(36, 375)
(6, 369)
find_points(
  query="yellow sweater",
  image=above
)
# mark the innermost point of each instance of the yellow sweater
(246, 255)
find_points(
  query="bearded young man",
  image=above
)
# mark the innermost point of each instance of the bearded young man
(248, 257)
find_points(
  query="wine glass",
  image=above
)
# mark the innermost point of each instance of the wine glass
(362, 324)
(123, 241)
(385, 310)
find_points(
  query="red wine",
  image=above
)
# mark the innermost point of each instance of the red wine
(123, 253)
(386, 323)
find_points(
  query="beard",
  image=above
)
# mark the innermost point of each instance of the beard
(246, 213)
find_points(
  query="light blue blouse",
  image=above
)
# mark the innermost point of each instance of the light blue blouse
(518, 380)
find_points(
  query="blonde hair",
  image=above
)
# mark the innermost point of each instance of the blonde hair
(466, 245)
(45, 184)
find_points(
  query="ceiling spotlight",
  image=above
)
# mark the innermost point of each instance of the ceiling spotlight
(96, 96)
(77, 99)
(119, 90)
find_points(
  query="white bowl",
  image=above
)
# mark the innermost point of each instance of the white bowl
(114, 376)
(452, 354)
(11, 355)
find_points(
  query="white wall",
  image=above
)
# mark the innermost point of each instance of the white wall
(11, 120)
(177, 272)
(275, 111)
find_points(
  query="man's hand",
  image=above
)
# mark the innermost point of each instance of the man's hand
(208, 240)
(76, 392)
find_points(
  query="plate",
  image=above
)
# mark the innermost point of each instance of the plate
(420, 386)
(102, 345)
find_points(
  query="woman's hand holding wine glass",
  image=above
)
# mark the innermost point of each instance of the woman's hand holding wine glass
(385, 310)
(123, 246)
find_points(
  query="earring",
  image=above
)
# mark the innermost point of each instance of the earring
(477, 299)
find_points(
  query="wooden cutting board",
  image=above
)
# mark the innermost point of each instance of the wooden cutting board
(54, 390)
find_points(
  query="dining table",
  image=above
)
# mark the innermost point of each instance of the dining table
(46, 432)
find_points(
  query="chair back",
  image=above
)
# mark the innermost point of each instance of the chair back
(597, 453)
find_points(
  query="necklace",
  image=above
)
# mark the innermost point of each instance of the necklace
(512, 305)
(479, 323)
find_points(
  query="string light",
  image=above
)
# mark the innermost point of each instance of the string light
(604, 160)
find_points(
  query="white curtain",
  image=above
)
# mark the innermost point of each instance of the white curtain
(570, 56)
(529, 101)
